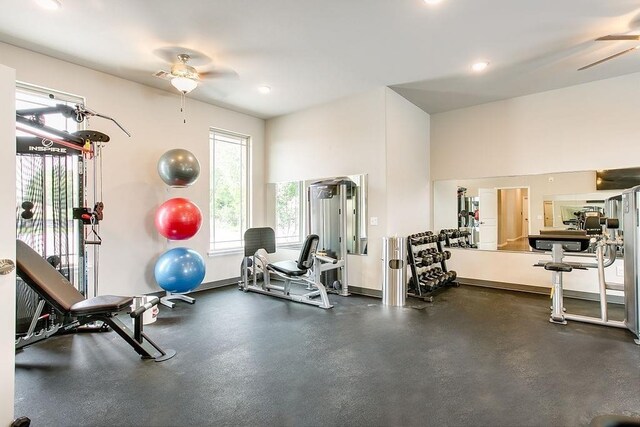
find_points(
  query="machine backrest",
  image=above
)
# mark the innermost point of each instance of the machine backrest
(43, 278)
(259, 238)
(305, 260)
(592, 225)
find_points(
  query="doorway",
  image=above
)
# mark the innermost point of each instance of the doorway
(513, 219)
(548, 214)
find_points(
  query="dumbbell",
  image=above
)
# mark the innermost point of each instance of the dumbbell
(428, 284)
(432, 274)
(424, 252)
(450, 276)
(425, 261)
(439, 279)
(428, 239)
(426, 277)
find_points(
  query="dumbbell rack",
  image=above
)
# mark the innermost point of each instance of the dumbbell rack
(456, 238)
(427, 262)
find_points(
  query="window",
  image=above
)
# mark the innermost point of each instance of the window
(52, 185)
(229, 189)
(288, 212)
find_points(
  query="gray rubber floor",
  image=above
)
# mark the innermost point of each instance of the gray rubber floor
(474, 357)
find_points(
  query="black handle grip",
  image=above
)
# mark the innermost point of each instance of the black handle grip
(138, 311)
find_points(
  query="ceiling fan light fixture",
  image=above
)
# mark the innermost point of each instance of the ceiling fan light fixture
(264, 89)
(184, 84)
(49, 4)
(432, 1)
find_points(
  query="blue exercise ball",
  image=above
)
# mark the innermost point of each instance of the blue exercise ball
(179, 270)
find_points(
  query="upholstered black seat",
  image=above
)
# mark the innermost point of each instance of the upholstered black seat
(101, 304)
(304, 262)
(558, 266)
(290, 268)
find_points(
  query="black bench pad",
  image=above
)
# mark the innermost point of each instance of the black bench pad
(289, 268)
(558, 266)
(100, 304)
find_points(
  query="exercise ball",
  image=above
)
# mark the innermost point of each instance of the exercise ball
(178, 168)
(178, 219)
(179, 270)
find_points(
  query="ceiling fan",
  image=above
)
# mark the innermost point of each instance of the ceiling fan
(185, 77)
(628, 37)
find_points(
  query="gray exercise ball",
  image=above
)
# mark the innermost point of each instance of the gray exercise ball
(178, 168)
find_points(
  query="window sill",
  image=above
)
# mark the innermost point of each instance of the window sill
(222, 252)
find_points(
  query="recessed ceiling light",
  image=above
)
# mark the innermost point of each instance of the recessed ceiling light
(480, 66)
(432, 1)
(264, 89)
(49, 4)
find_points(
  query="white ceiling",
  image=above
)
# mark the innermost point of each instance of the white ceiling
(311, 52)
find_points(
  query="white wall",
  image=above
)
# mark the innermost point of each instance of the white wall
(353, 136)
(7, 242)
(585, 127)
(407, 148)
(132, 188)
(517, 267)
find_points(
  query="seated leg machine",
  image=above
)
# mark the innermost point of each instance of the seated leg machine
(306, 269)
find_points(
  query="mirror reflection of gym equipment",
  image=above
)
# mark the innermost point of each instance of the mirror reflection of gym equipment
(599, 233)
(497, 218)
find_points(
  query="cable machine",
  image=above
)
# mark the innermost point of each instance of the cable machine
(331, 201)
(51, 198)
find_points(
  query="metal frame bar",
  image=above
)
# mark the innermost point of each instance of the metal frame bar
(137, 339)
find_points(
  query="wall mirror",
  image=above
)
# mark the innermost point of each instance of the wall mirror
(500, 212)
(296, 208)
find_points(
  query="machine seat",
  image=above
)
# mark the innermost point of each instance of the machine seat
(100, 304)
(558, 266)
(290, 268)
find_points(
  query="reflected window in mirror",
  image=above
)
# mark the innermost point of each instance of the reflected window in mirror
(288, 212)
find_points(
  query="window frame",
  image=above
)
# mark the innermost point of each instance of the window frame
(246, 212)
(301, 216)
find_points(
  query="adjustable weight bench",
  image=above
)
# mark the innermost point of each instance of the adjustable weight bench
(54, 288)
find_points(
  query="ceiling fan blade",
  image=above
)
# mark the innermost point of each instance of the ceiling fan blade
(170, 54)
(606, 59)
(619, 37)
(218, 74)
(164, 75)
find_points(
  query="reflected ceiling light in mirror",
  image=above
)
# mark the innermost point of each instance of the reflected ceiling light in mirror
(49, 4)
(264, 89)
(480, 66)
(431, 2)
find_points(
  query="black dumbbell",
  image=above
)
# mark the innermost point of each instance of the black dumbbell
(425, 261)
(428, 285)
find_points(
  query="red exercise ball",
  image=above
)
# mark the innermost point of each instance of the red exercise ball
(178, 219)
